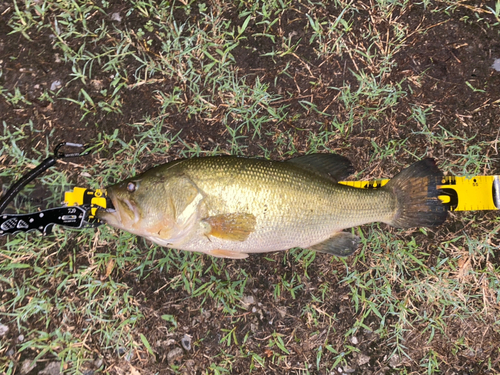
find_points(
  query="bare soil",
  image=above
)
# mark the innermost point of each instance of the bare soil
(448, 54)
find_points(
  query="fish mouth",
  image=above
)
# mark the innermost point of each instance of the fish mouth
(122, 213)
(110, 215)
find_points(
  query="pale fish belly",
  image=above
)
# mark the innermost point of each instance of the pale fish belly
(280, 233)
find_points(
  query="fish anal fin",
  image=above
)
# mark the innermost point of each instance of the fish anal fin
(342, 244)
(232, 227)
(332, 166)
(220, 253)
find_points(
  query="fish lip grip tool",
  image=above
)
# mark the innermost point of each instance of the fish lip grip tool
(79, 211)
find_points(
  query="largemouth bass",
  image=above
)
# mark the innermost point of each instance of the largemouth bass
(229, 206)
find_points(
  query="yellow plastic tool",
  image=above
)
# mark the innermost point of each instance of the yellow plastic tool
(80, 196)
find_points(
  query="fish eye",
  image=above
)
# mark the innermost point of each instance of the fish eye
(131, 187)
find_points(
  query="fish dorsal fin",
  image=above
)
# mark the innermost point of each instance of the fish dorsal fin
(332, 166)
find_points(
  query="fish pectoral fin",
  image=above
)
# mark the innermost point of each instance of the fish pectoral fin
(232, 227)
(219, 253)
(341, 244)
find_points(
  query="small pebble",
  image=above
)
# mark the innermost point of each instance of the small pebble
(116, 17)
(281, 311)
(354, 340)
(496, 65)
(3, 330)
(247, 300)
(98, 362)
(27, 366)
(363, 359)
(395, 361)
(174, 356)
(186, 342)
(53, 368)
(348, 370)
(55, 85)
(169, 342)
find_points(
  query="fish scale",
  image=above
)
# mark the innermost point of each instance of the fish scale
(298, 199)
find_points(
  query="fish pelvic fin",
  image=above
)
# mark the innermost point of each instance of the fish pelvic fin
(232, 227)
(341, 244)
(416, 191)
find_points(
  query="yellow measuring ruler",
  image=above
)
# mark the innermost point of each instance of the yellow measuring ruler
(457, 193)
(476, 193)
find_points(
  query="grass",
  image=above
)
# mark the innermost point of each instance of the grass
(271, 79)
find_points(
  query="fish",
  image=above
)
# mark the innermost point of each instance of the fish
(230, 207)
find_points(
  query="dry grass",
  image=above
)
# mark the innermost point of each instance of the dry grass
(383, 83)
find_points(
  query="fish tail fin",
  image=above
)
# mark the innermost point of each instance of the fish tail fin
(416, 191)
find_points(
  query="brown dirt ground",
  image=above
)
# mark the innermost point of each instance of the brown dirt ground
(450, 52)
